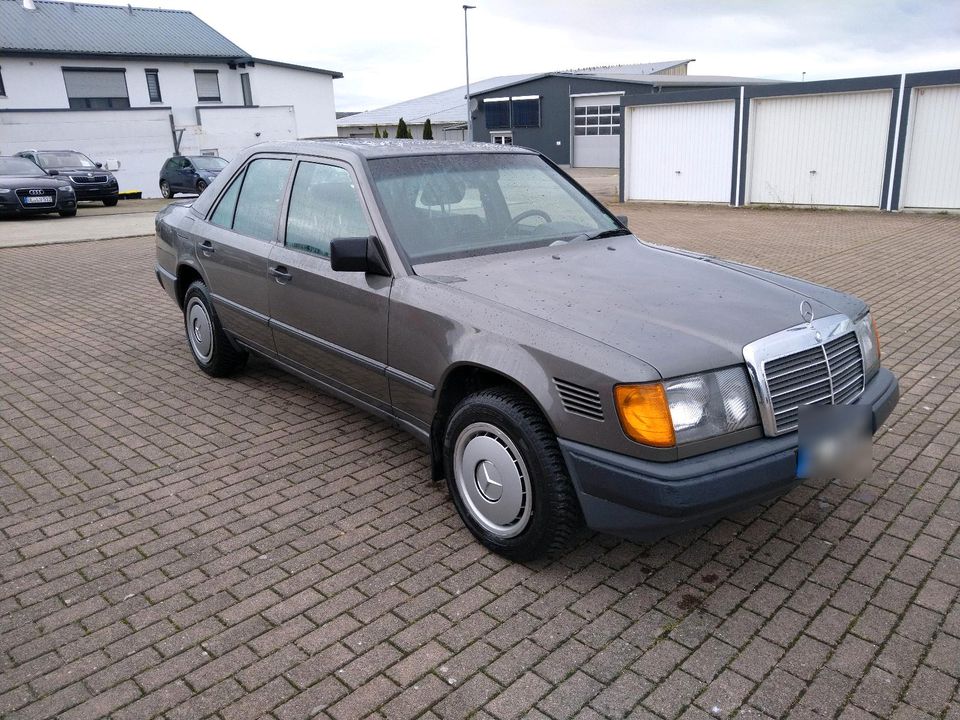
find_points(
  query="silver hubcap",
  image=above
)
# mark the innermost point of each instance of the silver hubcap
(199, 330)
(492, 480)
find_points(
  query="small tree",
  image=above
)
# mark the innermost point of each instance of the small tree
(376, 131)
(384, 134)
(427, 130)
(402, 131)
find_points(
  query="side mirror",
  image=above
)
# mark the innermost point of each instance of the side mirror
(99, 165)
(53, 172)
(357, 254)
(624, 220)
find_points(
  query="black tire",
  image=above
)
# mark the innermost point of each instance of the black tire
(220, 358)
(111, 202)
(555, 514)
(201, 186)
(165, 190)
(68, 213)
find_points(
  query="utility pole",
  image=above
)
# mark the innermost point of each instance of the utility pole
(466, 54)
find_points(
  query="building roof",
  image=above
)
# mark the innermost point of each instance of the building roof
(75, 28)
(448, 106)
(292, 66)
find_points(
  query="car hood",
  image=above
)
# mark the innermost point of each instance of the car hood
(36, 181)
(677, 311)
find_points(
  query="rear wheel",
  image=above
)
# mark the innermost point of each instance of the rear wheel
(201, 186)
(111, 202)
(165, 189)
(210, 346)
(507, 477)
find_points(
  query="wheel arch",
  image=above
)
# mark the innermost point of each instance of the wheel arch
(461, 380)
(186, 275)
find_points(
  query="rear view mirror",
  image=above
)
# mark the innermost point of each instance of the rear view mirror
(53, 172)
(99, 165)
(357, 254)
(624, 220)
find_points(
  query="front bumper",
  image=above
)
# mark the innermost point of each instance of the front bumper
(96, 192)
(645, 500)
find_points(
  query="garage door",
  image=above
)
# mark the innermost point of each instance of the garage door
(932, 169)
(818, 149)
(680, 152)
(596, 131)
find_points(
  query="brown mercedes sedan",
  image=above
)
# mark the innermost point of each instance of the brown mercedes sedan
(560, 370)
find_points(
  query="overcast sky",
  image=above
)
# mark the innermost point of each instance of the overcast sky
(393, 50)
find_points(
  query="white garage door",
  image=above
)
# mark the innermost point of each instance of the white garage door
(596, 131)
(681, 152)
(932, 169)
(819, 149)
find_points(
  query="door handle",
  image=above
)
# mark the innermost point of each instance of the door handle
(206, 247)
(280, 273)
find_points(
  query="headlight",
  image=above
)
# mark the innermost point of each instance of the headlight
(687, 409)
(4, 191)
(869, 344)
(65, 188)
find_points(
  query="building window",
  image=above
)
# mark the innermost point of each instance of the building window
(245, 86)
(153, 85)
(526, 112)
(596, 120)
(496, 113)
(3, 91)
(96, 88)
(208, 85)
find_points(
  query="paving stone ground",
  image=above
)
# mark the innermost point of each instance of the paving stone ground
(175, 546)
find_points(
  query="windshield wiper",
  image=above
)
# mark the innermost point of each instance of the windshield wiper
(612, 232)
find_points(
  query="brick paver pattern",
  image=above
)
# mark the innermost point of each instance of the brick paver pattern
(176, 546)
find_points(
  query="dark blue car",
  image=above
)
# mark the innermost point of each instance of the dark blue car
(189, 174)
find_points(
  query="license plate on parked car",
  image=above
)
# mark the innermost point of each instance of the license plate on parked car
(38, 200)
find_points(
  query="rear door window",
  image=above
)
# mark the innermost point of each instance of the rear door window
(260, 197)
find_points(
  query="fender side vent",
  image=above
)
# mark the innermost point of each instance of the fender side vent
(579, 400)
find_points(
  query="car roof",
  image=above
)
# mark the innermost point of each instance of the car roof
(373, 148)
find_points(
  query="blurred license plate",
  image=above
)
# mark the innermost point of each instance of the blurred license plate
(835, 441)
(38, 199)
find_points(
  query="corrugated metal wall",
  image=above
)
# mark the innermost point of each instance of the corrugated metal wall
(818, 149)
(932, 162)
(680, 152)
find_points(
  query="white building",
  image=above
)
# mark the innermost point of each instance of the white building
(131, 86)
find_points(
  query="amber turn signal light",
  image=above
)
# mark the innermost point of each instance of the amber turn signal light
(876, 334)
(645, 414)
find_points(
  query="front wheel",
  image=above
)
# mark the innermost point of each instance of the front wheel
(111, 202)
(507, 477)
(68, 213)
(209, 344)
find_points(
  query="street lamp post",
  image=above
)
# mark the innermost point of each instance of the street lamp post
(466, 55)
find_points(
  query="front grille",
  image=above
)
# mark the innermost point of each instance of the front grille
(49, 195)
(579, 400)
(829, 374)
(88, 180)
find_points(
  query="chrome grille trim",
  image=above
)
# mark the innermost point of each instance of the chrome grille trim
(793, 368)
(579, 400)
(89, 179)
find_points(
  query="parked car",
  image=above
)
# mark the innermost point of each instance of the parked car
(558, 368)
(25, 189)
(189, 173)
(88, 178)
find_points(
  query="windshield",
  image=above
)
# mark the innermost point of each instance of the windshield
(20, 167)
(448, 206)
(65, 159)
(206, 162)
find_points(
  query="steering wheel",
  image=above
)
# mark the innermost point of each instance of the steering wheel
(528, 213)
